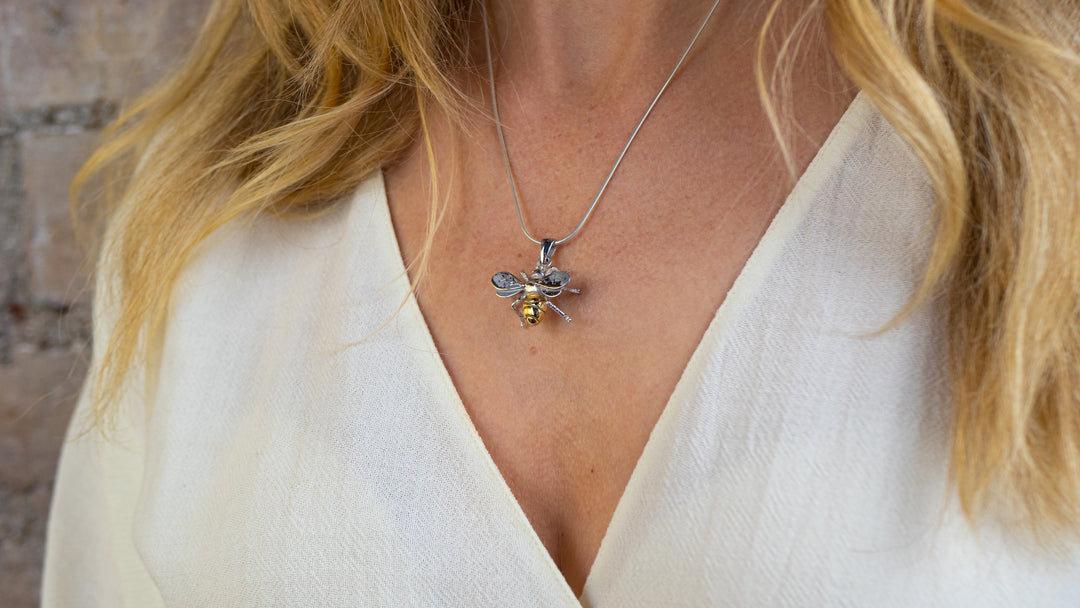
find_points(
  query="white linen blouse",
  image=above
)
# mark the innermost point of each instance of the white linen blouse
(300, 443)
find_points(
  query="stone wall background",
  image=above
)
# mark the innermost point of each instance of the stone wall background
(65, 66)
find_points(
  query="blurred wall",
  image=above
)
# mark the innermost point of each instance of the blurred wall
(65, 66)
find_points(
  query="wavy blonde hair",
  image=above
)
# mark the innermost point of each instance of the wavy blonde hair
(285, 106)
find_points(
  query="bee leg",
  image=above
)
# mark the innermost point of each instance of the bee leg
(562, 314)
(572, 290)
(521, 317)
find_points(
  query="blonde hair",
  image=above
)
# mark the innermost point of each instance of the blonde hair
(285, 106)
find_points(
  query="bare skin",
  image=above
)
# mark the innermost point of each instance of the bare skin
(566, 409)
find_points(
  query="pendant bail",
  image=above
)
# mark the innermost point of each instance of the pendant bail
(547, 249)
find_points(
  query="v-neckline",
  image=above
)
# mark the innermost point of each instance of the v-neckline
(749, 278)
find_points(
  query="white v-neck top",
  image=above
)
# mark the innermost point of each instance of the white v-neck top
(300, 442)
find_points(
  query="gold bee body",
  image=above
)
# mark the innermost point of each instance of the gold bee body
(532, 308)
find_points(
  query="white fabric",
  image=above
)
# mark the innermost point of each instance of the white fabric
(799, 462)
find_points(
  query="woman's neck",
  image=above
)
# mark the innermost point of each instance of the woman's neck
(598, 49)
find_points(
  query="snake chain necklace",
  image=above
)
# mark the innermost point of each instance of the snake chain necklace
(534, 291)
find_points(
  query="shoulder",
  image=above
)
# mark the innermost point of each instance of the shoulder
(261, 260)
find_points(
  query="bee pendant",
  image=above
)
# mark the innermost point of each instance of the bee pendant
(535, 292)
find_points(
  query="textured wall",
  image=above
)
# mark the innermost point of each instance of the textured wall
(65, 65)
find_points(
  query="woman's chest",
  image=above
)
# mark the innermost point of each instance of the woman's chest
(801, 471)
(307, 445)
(564, 408)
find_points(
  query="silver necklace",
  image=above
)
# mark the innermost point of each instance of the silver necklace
(535, 291)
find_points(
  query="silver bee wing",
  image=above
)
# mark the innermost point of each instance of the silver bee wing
(507, 285)
(552, 283)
